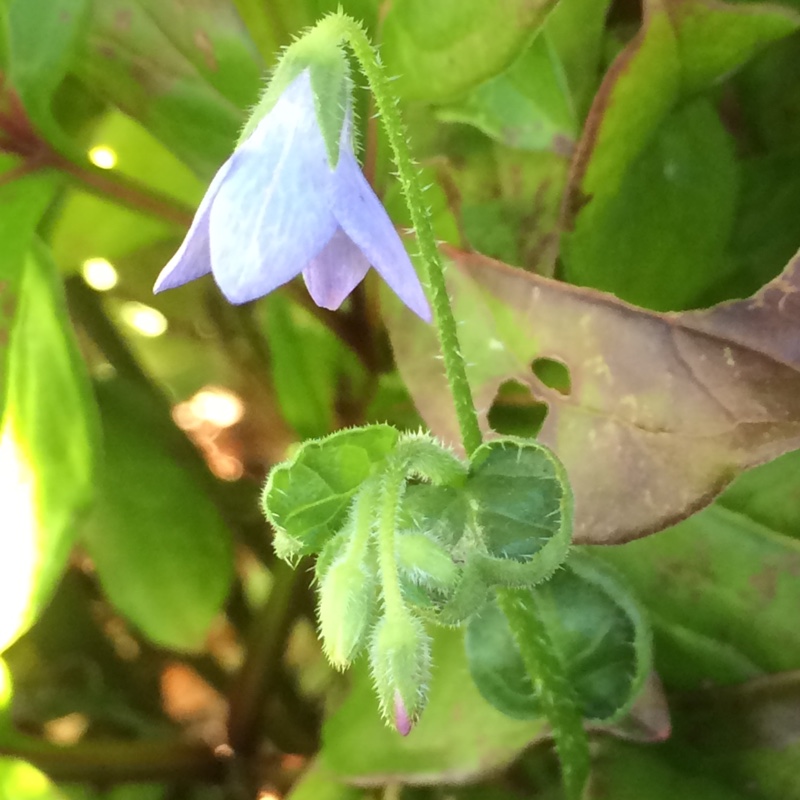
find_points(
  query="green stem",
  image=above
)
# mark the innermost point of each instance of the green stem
(552, 687)
(118, 761)
(362, 523)
(454, 365)
(387, 522)
(115, 186)
(261, 670)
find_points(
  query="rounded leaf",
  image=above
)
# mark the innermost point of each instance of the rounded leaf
(597, 630)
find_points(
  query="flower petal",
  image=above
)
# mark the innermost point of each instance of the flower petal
(366, 222)
(335, 272)
(193, 259)
(272, 214)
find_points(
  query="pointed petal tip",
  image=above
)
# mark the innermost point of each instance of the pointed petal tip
(423, 311)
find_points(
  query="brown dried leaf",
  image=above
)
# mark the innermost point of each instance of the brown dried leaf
(664, 409)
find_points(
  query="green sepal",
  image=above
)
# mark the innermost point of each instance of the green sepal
(598, 632)
(307, 499)
(320, 52)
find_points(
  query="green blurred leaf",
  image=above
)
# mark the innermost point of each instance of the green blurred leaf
(308, 497)
(528, 106)
(186, 72)
(161, 550)
(458, 738)
(23, 203)
(640, 175)
(89, 226)
(766, 233)
(659, 240)
(628, 772)
(440, 50)
(47, 445)
(769, 92)
(43, 36)
(748, 734)
(728, 580)
(769, 495)
(576, 31)
(597, 630)
(315, 785)
(306, 361)
(21, 781)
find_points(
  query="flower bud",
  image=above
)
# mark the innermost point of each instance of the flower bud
(400, 659)
(346, 605)
(425, 561)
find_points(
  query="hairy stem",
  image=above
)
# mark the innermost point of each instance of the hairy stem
(389, 502)
(551, 685)
(455, 367)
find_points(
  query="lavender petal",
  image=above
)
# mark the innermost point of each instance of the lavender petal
(272, 215)
(335, 272)
(193, 258)
(365, 221)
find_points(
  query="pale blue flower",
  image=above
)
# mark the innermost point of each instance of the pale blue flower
(276, 209)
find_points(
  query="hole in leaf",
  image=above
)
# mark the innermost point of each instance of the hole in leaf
(515, 411)
(552, 373)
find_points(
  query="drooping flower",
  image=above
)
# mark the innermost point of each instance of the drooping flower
(276, 209)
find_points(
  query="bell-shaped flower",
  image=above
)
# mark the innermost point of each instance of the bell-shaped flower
(276, 209)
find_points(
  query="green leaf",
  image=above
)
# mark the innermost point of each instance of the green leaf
(681, 192)
(23, 202)
(43, 36)
(722, 594)
(47, 446)
(308, 497)
(764, 236)
(528, 106)
(523, 510)
(629, 772)
(316, 785)
(715, 39)
(597, 630)
(22, 781)
(186, 72)
(161, 550)
(684, 46)
(440, 50)
(458, 738)
(306, 361)
(89, 226)
(749, 734)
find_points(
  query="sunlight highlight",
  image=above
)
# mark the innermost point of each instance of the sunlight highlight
(19, 557)
(103, 157)
(144, 320)
(218, 406)
(100, 274)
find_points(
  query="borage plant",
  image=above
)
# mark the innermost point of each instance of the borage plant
(407, 534)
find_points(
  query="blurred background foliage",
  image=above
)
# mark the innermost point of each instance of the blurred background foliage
(152, 647)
